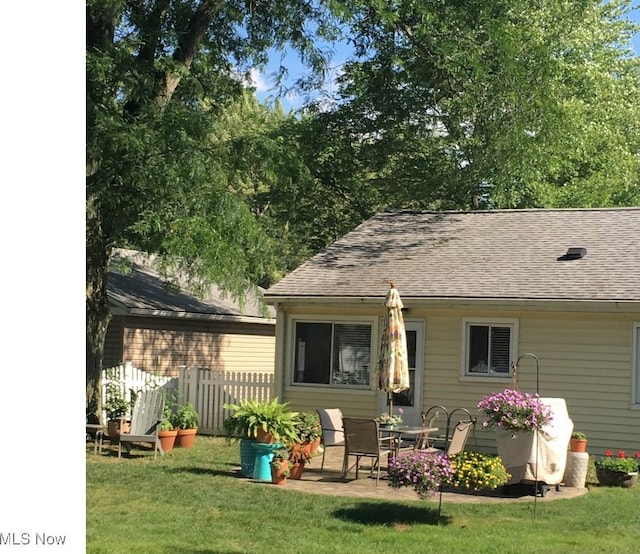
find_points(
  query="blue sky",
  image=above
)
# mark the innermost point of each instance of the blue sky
(263, 80)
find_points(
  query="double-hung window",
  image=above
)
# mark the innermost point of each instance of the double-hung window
(332, 353)
(489, 347)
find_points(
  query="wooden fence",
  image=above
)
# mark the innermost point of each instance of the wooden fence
(207, 389)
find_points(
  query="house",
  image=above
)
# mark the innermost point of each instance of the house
(555, 291)
(160, 328)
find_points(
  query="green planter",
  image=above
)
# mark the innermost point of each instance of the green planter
(247, 457)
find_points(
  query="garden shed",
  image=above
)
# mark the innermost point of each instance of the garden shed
(158, 327)
(480, 289)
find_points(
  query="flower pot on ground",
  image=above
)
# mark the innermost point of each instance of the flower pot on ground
(280, 466)
(167, 439)
(620, 471)
(299, 456)
(265, 421)
(309, 430)
(578, 442)
(185, 420)
(115, 427)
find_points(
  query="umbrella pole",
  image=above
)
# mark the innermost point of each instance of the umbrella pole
(390, 404)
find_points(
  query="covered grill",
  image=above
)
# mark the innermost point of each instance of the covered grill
(541, 457)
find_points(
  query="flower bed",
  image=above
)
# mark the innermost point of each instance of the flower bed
(477, 471)
(513, 410)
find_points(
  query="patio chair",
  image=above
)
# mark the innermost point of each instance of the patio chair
(145, 422)
(362, 440)
(332, 430)
(459, 438)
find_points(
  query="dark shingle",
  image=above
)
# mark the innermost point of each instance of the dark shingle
(510, 254)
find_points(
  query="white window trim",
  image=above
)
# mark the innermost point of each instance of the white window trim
(635, 367)
(464, 347)
(315, 318)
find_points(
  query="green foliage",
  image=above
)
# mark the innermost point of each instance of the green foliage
(116, 404)
(185, 417)
(620, 463)
(271, 416)
(307, 425)
(159, 76)
(477, 471)
(578, 436)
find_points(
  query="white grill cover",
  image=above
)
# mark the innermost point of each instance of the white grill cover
(518, 450)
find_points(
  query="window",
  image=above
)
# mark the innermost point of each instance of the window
(331, 353)
(489, 347)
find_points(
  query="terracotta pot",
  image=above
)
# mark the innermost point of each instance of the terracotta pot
(279, 476)
(186, 438)
(296, 471)
(315, 445)
(265, 437)
(113, 429)
(578, 445)
(167, 439)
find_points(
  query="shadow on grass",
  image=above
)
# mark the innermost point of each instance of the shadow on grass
(208, 471)
(391, 514)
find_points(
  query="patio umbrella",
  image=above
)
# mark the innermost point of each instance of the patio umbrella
(393, 364)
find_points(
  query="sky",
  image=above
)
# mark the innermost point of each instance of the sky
(264, 82)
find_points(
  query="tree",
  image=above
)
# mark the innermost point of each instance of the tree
(466, 105)
(159, 75)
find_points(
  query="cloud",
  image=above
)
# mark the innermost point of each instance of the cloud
(257, 80)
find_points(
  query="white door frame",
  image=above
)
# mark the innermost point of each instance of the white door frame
(411, 414)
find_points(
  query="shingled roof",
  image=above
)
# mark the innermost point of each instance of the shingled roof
(500, 254)
(141, 290)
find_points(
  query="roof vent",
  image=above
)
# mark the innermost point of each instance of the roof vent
(574, 254)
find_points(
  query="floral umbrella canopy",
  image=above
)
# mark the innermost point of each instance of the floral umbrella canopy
(393, 364)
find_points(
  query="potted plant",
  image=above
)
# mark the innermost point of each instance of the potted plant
(386, 420)
(265, 421)
(309, 431)
(512, 410)
(280, 466)
(299, 456)
(619, 471)
(251, 417)
(185, 420)
(168, 432)
(578, 442)
(116, 408)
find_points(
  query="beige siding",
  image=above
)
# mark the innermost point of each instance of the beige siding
(161, 345)
(585, 358)
(113, 343)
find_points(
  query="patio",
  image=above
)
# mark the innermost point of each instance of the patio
(330, 482)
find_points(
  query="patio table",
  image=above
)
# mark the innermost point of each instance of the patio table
(398, 430)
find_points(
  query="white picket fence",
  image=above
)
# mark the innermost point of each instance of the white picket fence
(207, 389)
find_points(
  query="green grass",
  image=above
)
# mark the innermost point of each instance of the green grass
(189, 501)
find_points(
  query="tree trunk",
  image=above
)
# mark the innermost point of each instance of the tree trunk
(98, 252)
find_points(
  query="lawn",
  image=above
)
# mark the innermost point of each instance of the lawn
(189, 501)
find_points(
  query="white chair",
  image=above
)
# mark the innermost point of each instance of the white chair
(145, 422)
(332, 430)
